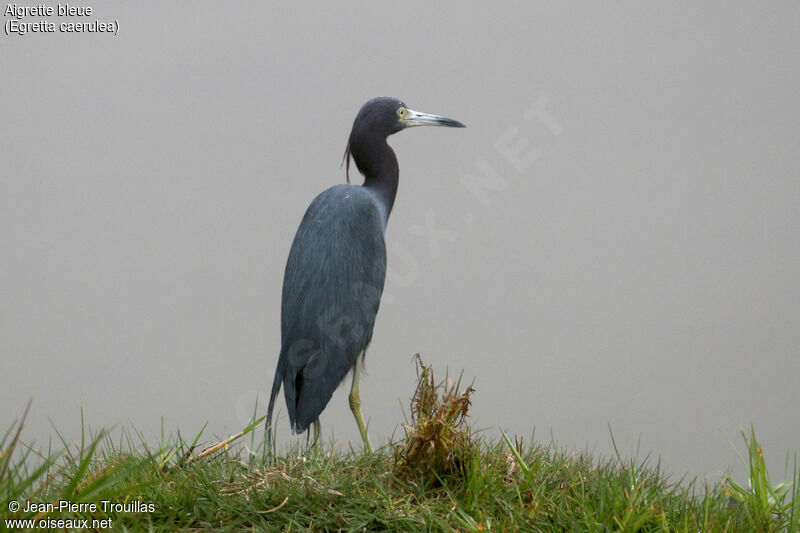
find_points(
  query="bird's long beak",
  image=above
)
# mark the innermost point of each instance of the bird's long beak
(415, 118)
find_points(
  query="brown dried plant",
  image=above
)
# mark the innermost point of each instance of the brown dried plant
(438, 440)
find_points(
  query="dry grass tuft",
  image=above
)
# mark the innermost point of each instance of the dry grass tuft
(438, 441)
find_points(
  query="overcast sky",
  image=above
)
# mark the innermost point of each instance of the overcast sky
(613, 240)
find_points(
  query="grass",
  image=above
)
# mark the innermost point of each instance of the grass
(439, 477)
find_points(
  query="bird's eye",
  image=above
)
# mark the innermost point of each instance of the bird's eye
(401, 112)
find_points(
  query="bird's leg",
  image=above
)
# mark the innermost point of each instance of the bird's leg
(355, 404)
(317, 431)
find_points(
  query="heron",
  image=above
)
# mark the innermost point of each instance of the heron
(335, 272)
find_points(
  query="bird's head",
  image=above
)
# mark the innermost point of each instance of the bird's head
(384, 116)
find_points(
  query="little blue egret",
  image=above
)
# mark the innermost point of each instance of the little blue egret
(336, 269)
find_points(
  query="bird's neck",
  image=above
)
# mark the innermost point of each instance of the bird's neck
(381, 172)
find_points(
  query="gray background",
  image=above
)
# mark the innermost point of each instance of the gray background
(632, 258)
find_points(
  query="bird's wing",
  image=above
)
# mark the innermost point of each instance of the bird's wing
(331, 292)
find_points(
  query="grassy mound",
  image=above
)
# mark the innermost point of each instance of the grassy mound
(438, 478)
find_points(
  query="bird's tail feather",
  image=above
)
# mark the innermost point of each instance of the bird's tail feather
(276, 387)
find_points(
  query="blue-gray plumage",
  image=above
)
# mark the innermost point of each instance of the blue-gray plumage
(331, 293)
(336, 269)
